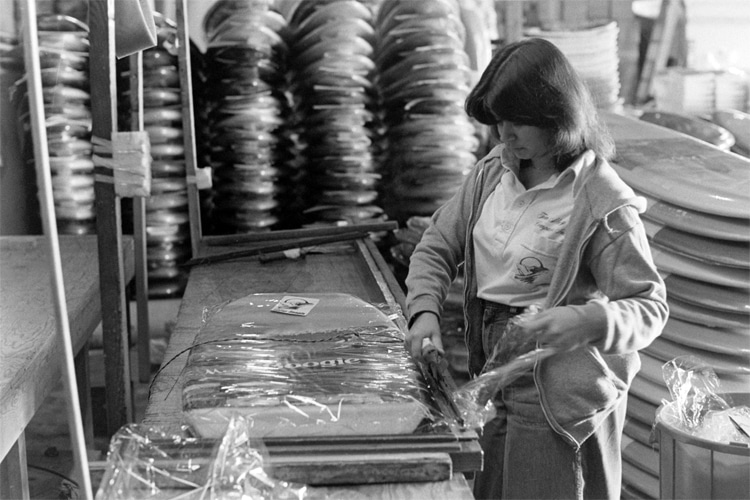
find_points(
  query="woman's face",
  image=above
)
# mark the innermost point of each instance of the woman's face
(526, 142)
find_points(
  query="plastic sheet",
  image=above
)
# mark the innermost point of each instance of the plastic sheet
(296, 366)
(145, 463)
(512, 357)
(699, 406)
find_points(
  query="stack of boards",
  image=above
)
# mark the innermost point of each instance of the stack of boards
(698, 224)
(319, 365)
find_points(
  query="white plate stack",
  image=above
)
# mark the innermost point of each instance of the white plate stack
(594, 53)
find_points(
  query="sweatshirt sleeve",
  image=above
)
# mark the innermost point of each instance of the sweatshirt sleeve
(635, 309)
(435, 261)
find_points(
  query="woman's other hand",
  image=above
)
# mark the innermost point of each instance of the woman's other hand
(426, 326)
(561, 327)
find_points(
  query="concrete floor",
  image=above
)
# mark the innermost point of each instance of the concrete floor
(49, 450)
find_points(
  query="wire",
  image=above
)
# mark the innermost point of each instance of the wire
(54, 473)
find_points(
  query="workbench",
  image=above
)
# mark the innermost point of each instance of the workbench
(355, 268)
(30, 349)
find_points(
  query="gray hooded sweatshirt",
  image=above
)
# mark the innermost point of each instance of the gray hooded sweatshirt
(605, 273)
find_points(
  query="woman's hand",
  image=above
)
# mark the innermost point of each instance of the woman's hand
(426, 326)
(562, 327)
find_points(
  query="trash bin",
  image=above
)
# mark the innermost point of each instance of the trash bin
(693, 467)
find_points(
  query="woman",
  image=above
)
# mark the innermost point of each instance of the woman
(543, 219)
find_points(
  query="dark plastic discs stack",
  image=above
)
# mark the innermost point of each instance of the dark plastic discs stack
(423, 77)
(331, 57)
(251, 149)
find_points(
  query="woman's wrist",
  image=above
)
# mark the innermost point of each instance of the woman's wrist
(419, 314)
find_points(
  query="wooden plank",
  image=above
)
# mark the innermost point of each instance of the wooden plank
(398, 293)
(292, 234)
(456, 489)
(271, 251)
(102, 73)
(659, 47)
(139, 228)
(14, 475)
(29, 350)
(628, 43)
(83, 382)
(364, 468)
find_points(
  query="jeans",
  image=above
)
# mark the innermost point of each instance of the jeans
(525, 458)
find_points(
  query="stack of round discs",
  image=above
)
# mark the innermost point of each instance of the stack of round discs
(64, 58)
(167, 219)
(331, 55)
(593, 53)
(251, 149)
(423, 79)
(697, 220)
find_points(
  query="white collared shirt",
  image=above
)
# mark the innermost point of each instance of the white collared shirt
(519, 233)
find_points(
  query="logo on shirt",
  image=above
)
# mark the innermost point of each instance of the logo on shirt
(551, 225)
(529, 270)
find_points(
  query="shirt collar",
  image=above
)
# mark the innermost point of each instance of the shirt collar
(511, 163)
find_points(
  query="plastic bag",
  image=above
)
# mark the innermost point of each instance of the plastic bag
(694, 388)
(699, 405)
(145, 462)
(517, 356)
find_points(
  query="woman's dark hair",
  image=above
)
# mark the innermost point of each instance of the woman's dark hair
(530, 82)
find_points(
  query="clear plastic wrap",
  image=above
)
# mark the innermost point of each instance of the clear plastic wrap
(146, 463)
(699, 406)
(517, 356)
(296, 366)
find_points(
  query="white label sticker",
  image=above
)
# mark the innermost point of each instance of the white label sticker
(295, 305)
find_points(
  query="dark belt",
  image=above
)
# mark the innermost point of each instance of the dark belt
(512, 310)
